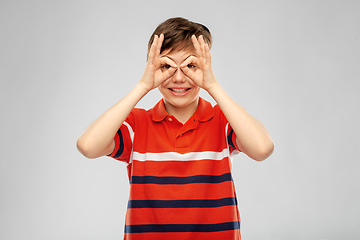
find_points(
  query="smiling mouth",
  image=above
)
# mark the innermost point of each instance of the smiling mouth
(181, 90)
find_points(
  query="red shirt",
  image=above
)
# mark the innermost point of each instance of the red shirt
(180, 175)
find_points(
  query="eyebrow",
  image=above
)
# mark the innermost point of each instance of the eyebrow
(182, 60)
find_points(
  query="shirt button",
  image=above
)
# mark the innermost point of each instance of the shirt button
(170, 119)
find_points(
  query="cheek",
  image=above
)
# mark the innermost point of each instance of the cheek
(192, 83)
(163, 84)
(161, 88)
(197, 89)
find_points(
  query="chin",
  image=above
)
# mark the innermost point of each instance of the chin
(181, 102)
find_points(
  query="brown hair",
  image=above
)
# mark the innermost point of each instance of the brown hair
(177, 34)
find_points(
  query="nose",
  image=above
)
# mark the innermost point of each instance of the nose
(179, 76)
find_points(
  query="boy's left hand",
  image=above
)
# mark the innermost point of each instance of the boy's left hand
(198, 68)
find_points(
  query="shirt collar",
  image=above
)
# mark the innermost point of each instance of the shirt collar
(204, 112)
(159, 111)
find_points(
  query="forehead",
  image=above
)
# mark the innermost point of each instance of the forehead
(179, 54)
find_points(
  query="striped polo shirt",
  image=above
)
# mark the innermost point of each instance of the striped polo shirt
(180, 174)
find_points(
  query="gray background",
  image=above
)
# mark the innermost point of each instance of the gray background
(292, 64)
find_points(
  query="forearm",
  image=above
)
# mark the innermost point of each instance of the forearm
(98, 138)
(252, 137)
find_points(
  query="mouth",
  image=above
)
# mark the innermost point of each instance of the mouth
(179, 90)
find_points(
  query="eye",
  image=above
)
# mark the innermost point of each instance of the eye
(191, 66)
(165, 66)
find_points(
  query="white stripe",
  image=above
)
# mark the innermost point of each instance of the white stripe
(226, 135)
(174, 156)
(131, 132)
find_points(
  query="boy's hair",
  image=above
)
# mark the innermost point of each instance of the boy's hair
(177, 34)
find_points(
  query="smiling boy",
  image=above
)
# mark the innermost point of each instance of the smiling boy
(178, 153)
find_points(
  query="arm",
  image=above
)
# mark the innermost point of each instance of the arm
(251, 135)
(98, 138)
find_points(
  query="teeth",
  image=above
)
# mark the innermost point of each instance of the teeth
(178, 90)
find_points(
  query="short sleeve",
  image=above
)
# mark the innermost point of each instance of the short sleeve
(231, 139)
(124, 140)
(230, 134)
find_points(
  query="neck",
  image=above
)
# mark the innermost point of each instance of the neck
(182, 114)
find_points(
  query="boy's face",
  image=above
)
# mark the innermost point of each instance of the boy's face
(179, 91)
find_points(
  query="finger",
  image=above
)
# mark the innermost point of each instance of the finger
(169, 67)
(168, 73)
(189, 66)
(202, 46)
(166, 81)
(188, 73)
(207, 53)
(159, 44)
(152, 49)
(190, 60)
(166, 60)
(196, 45)
(192, 82)
(202, 43)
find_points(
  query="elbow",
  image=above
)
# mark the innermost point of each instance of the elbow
(264, 152)
(85, 149)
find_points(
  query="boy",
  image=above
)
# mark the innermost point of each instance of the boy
(178, 153)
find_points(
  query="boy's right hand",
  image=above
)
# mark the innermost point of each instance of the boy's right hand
(98, 139)
(157, 69)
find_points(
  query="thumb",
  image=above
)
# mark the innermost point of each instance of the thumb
(167, 62)
(189, 66)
